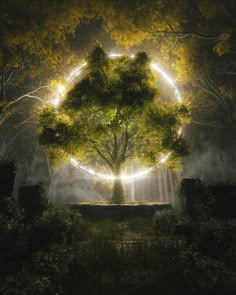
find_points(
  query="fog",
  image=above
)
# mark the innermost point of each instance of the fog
(71, 185)
(211, 164)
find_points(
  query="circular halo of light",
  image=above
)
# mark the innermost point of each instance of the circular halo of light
(72, 77)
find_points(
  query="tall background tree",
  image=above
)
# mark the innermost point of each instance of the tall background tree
(34, 51)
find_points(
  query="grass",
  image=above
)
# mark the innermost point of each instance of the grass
(128, 230)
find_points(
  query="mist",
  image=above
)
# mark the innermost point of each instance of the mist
(72, 185)
(211, 164)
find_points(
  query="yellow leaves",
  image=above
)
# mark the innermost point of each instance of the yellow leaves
(209, 9)
(184, 112)
(50, 117)
(125, 37)
(223, 90)
(184, 63)
(224, 46)
(42, 27)
(119, 21)
(58, 86)
(129, 38)
(57, 155)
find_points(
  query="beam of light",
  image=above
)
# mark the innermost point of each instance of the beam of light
(72, 77)
(179, 132)
(114, 55)
(75, 73)
(88, 171)
(168, 79)
(61, 89)
(110, 177)
(164, 159)
(55, 101)
(60, 92)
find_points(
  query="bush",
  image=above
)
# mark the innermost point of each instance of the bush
(57, 225)
(165, 222)
(35, 256)
(215, 237)
(13, 242)
(25, 283)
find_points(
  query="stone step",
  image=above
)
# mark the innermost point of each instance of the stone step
(117, 212)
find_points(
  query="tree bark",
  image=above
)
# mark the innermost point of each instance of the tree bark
(118, 196)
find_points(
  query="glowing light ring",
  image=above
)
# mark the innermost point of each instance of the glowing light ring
(110, 177)
(72, 77)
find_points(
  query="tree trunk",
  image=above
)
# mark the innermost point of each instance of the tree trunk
(118, 196)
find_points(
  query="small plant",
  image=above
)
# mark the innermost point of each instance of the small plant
(165, 222)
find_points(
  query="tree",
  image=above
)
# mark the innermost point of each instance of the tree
(34, 37)
(33, 42)
(112, 116)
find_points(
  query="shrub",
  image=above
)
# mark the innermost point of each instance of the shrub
(215, 237)
(57, 225)
(13, 242)
(165, 222)
(35, 256)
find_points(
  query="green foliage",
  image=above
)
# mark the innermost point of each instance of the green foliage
(101, 230)
(34, 257)
(25, 283)
(115, 83)
(163, 265)
(51, 267)
(213, 238)
(78, 255)
(165, 222)
(13, 239)
(34, 42)
(207, 245)
(98, 60)
(108, 230)
(11, 216)
(63, 225)
(216, 238)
